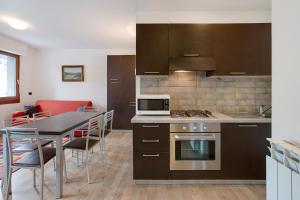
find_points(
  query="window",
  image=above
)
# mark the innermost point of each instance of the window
(9, 77)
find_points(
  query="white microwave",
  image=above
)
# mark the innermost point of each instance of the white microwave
(153, 105)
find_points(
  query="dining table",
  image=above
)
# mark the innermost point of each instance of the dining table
(54, 128)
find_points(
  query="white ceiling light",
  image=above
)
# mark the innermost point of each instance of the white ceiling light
(16, 23)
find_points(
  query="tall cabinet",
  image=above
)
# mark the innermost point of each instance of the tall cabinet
(121, 89)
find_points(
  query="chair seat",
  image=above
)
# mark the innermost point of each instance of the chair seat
(33, 159)
(31, 147)
(80, 144)
(83, 132)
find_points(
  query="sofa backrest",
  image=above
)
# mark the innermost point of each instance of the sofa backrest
(60, 106)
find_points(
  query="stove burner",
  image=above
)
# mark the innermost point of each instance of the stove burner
(191, 113)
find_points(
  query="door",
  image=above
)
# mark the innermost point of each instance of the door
(121, 89)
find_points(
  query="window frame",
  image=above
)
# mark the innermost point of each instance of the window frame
(12, 99)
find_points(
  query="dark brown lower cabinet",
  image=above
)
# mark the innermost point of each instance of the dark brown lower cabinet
(151, 165)
(151, 155)
(243, 151)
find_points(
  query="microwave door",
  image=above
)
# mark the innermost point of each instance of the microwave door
(151, 105)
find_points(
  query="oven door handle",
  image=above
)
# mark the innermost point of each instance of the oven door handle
(194, 137)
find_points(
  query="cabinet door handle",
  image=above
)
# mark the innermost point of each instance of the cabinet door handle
(237, 73)
(191, 55)
(151, 72)
(151, 155)
(150, 126)
(247, 125)
(150, 141)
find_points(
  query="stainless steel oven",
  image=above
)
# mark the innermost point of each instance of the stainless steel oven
(195, 146)
(153, 105)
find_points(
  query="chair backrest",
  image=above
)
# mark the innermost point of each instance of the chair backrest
(95, 124)
(40, 115)
(108, 117)
(30, 135)
(16, 121)
(90, 109)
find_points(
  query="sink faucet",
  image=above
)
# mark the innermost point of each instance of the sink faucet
(262, 110)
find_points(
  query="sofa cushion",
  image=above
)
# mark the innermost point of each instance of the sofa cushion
(61, 106)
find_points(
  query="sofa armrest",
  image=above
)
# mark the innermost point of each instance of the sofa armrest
(18, 114)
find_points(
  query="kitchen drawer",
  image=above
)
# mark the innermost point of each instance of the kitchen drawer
(150, 165)
(151, 143)
(150, 131)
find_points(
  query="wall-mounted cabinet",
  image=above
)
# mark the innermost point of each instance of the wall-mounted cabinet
(237, 49)
(242, 49)
(152, 49)
(191, 40)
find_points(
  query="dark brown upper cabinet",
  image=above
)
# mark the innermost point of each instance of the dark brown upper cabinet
(242, 49)
(152, 49)
(191, 40)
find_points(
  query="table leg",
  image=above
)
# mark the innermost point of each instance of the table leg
(59, 168)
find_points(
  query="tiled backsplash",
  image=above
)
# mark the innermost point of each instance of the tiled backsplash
(192, 90)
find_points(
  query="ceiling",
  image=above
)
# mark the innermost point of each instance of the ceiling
(92, 24)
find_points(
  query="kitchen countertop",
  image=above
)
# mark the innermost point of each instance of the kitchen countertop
(219, 118)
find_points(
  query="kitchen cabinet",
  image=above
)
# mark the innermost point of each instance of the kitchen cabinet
(121, 82)
(242, 49)
(151, 154)
(152, 49)
(191, 40)
(244, 149)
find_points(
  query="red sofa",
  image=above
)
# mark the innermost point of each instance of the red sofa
(56, 106)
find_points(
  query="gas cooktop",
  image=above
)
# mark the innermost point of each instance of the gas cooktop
(191, 113)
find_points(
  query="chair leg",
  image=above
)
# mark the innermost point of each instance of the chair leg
(52, 145)
(42, 184)
(65, 167)
(34, 178)
(8, 184)
(87, 166)
(77, 157)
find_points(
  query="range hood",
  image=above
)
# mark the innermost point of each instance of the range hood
(192, 63)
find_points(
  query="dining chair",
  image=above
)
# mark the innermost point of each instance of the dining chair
(108, 123)
(26, 147)
(85, 144)
(33, 160)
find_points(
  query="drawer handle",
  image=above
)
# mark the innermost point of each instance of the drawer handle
(247, 126)
(114, 79)
(150, 126)
(114, 82)
(150, 141)
(237, 73)
(150, 155)
(151, 72)
(191, 55)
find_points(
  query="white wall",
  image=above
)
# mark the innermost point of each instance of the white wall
(204, 17)
(27, 67)
(48, 82)
(286, 69)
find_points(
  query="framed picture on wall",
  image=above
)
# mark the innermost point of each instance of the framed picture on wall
(72, 73)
